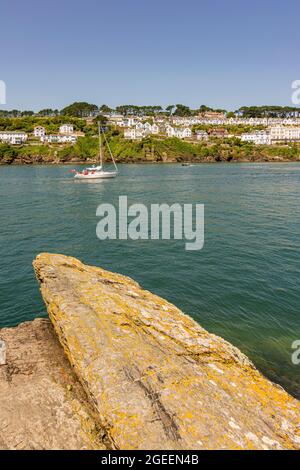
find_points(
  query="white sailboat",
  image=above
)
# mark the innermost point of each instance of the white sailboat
(97, 172)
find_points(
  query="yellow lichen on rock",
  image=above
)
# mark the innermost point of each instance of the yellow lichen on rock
(155, 377)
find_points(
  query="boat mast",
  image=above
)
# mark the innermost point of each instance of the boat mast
(100, 144)
(110, 152)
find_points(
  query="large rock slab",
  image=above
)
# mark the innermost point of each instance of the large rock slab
(156, 378)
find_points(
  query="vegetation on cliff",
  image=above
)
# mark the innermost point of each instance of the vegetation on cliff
(150, 149)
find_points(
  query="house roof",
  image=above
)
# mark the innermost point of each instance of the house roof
(13, 132)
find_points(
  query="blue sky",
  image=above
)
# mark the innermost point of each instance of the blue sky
(223, 53)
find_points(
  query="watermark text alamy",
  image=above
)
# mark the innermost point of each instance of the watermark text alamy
(161, 222)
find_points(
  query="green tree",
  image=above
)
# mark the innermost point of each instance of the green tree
(105, 109)
(46, 112)
(170, 108)
(204, 109)
(80, 109)
(182, 110)
(7, 153)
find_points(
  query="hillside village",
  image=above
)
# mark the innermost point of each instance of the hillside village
(204, 127)
(276, 129)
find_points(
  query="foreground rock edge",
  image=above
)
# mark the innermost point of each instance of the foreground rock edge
(43, 405)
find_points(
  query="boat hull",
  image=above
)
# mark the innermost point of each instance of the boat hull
(96, 175)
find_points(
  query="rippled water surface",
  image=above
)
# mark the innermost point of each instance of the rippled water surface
(243, 285)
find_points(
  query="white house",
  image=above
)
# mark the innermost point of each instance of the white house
(257, 138)
(148, 126)
(71, 138)
(13, 137)
(115, 118)
(154, 129)
(284, 133)
(135, 134)
(59, 138)
(170, 131)
(66, 129)
(128, 122)
(119, 122)
(39, 131)
(51, 138)
(131, 121)
(185, 133)
(202, 135)
(129, 133)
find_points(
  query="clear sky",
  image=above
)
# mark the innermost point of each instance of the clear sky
(222, 53)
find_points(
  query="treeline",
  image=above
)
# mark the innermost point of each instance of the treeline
(268, 111)
(81, 109)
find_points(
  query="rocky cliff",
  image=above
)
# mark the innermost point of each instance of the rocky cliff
(155, 378)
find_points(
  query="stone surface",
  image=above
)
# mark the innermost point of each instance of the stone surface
(42, 404)
(2, 353)
(156, 378)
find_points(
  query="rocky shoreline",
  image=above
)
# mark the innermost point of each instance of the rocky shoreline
(133, 160)
(120, 368)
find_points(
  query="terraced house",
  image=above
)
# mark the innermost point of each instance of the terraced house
(184, 133)
(66, 129)
(257, 138)
(59, 138)
(285, 133)
(13, 137)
